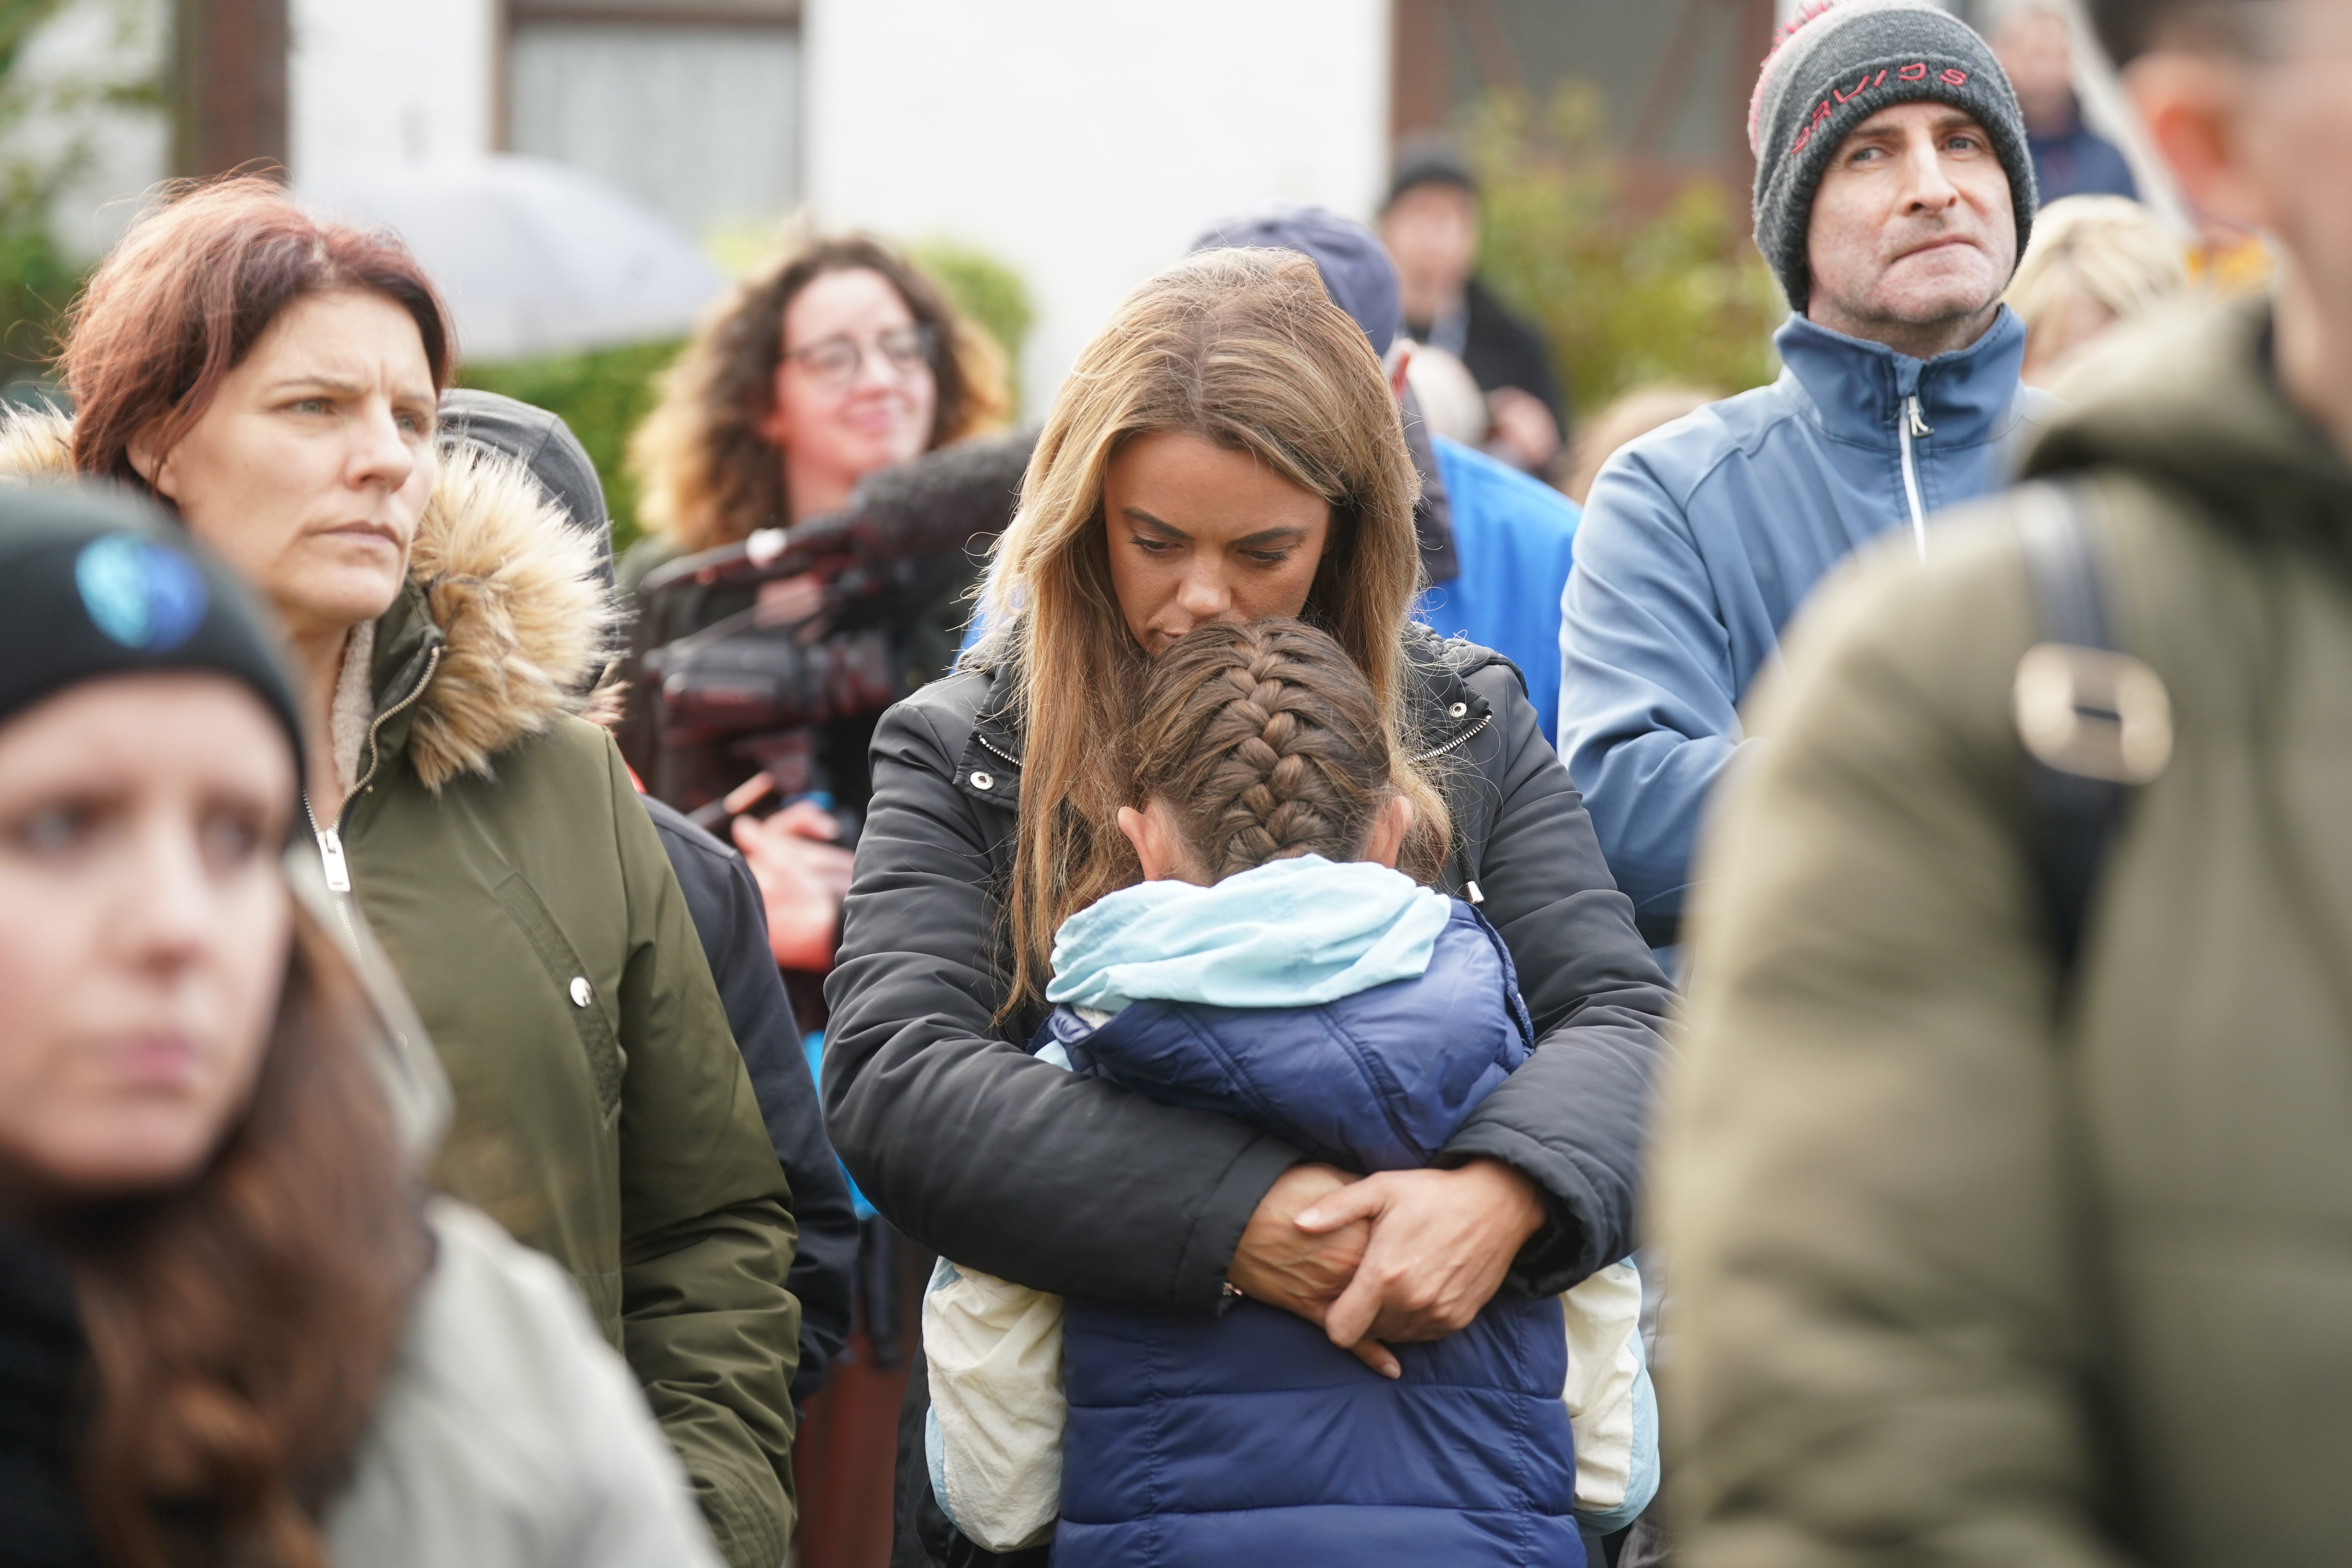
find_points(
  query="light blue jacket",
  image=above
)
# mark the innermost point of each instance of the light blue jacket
(1700, 539)
(1515, 537)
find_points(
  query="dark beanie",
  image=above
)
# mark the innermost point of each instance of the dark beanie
(1833, 68)
(1427, 160)
(95, 584)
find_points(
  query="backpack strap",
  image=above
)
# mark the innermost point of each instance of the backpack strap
(2096, 721)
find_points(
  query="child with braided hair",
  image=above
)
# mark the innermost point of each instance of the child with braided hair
(1274, 964)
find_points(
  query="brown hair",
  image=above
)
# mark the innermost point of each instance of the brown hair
(240, 1326)
(707, 476)
(1267, 741)
(1243, 349)
(180, 301)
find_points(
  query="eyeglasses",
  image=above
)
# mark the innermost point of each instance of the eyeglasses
(835, 361)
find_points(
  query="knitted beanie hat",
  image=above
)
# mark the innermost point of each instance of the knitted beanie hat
(1839, 63)
(94, 583)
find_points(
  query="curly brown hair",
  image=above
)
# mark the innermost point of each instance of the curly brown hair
(707, 476)
(1267, 741)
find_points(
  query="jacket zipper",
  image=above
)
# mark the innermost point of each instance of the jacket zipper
(1910, 422)
(330, 838)
(998, 750)
(1484, 719)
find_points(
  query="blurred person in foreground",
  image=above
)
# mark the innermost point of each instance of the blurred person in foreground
(1892, 193)
(729, 917)
(272, 379)
(2010, 1228)
(2094, 261)
(1430, 225)
(1227, 450)
(233, 1329)
(1496, 543)
(2035, 43)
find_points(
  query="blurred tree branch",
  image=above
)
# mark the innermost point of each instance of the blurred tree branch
(1623, 297)
(45, 142)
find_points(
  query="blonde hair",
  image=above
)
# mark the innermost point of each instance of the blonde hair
(1243, 349)
(1630, 414)
(706, 475)
(2109, 249)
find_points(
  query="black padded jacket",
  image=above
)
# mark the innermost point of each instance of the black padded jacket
(732, 923)
(1075, 1185)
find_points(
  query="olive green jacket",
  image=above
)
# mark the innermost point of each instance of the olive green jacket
(1962, 1274)
(602, 1113)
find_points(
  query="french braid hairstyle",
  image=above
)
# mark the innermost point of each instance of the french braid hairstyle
(1268, 742)
(1245, 350)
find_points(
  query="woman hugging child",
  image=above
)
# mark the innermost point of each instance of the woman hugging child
(1275, 967)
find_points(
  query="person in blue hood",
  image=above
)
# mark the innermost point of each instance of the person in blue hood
(1275, 965)
(1893, 194)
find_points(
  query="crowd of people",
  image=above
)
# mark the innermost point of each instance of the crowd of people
(1273, 962)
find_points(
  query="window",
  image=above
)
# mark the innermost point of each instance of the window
(694, 109)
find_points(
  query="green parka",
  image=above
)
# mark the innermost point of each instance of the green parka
(1963, 1272)
(602, 1113)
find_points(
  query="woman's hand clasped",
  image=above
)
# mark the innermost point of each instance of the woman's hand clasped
(1402, 1256)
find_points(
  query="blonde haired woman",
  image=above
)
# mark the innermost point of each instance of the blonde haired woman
(1225, 450)
(2094, 261)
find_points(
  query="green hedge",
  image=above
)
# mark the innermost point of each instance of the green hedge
(1624, 297)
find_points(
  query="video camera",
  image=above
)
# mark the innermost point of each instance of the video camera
(760, 668)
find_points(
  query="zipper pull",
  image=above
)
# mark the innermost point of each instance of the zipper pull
(1919, 425)
(330, 850)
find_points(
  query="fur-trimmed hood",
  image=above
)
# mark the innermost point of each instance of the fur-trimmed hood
(511, 590)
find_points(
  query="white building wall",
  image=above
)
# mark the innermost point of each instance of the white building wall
(1086, 142)
(371, 82)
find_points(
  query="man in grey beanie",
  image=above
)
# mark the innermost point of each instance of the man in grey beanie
(1894, 193)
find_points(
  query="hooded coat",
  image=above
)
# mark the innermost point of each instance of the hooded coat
(496, 848)
(1250, 1439)
(1700, 538)
(1980, 1262)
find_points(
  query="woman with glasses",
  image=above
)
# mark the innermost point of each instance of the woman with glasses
(838, 359)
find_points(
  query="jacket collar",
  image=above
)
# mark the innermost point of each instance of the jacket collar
(1856, 390)
(502, 625)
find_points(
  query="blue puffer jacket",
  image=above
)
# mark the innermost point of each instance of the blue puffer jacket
(1700, 538)
(1249, 1438)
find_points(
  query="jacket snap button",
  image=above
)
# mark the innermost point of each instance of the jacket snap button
(581, 994)
(1457, 711)
(982, 780)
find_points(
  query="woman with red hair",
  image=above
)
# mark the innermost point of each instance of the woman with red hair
(273, 379)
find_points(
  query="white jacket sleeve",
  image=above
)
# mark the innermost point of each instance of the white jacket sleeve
(1610, 1407)
(509, 1434)
(994, 1437)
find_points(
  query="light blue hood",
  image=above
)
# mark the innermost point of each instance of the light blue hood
(1292, 933)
